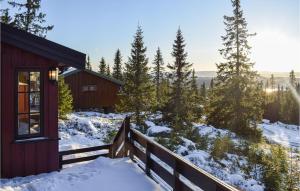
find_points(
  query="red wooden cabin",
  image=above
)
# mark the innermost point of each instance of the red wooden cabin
(29, 132)
(92, 90)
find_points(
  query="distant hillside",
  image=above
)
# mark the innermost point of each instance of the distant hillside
(281, 78)
(265, 74)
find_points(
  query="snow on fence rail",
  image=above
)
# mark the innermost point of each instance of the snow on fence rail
(155, 160)
(63, 161)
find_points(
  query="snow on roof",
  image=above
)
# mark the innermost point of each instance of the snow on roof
(103, 76)
(102, 174)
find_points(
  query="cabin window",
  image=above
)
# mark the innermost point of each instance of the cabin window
(89, 88)
(28, 104)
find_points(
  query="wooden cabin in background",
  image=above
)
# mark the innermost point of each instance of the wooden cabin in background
(29, 102)
(91, 90)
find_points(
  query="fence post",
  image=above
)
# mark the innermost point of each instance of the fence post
(148, 159)
(111, 151)
(177, 182)
(60, 157)
(126, 138)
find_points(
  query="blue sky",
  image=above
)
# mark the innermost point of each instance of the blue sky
(99, 27)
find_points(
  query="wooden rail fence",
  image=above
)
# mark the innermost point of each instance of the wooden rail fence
(155, 160)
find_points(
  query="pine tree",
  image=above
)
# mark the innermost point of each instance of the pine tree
(102, 66)
(137, 94)
(236, 101)
(107, 70)
(292, 78)
(5, 17)
(272, 82)
(88, 65)
(178, 112)
(211, 84)
(203, 92)
(117, 69)
(65, 99)
(267, 85)
(194, 98)
(158, 75)
(30, 19)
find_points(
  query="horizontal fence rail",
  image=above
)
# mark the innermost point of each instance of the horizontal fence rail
(183, 175)
(63, 161)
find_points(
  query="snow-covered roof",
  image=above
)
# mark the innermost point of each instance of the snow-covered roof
(109, 78)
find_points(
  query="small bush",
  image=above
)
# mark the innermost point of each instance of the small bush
(221, 146)
(275, 169)
(110, 135)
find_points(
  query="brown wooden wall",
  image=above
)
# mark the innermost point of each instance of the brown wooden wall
(104, 97)
(21, 159)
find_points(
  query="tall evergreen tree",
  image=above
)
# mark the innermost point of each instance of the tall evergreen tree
(5, 17)
(292, 78)
(102, 66)
(194, 98)
(272, 82)
(211, 84)
(203, 92)
(117, 68)
(107, 70)
(29, 17)
(88, 65)
(178, 112)
(236, 102)
(137, 94)
(158, 75)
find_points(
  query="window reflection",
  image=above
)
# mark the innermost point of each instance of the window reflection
(29, 102)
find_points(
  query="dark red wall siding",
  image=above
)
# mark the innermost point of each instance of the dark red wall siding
(26, 158)
(105, 96)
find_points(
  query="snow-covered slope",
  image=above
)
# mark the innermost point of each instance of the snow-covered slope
(101, 174)
(280, 133)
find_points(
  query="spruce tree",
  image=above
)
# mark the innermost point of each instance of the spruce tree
(88, 65)
(211, 84)
(102, 66)
(117, 69)
(194, 98)
(272, 82)
(107, 70)
(158, 75)
(203, 92)
(178, 112)
(29, 18)
(5, 17)
(236, 102)
(137, 94)
(65, 99)
(292, 79)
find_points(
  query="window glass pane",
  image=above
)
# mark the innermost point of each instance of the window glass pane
(23, 79)
(35, 102)
(85, 88)
(34, 123)
(34, 81)
(23, 106)
(23, 124)
(92, 87)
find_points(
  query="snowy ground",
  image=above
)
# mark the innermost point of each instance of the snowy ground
(280, 133)
(84, 129)
(102, 173)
